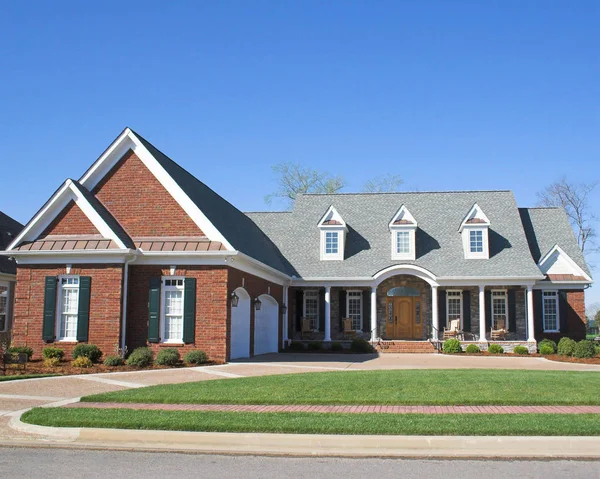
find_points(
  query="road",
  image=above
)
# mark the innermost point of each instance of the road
(51, 463)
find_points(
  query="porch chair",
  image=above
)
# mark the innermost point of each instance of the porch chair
(306, 328)
(498, 334)
(452, 331)
(348, 329)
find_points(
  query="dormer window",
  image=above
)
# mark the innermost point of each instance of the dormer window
(403, 228)
(474, 230)
(333, 235)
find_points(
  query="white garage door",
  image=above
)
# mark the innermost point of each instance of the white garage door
(240, 326)
(266, 326)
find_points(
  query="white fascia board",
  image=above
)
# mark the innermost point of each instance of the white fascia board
(549, 285)
(75, 257)
(333, 282)
(11, 278)
(403, 211)
(470, 214)
(577, 271)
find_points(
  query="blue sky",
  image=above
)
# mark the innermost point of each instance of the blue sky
(449, 95)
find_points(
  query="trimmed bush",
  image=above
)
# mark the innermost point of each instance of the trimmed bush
(21, 349)
(472, 349)
(546, 350)
(597, 350)
(337, 346)
(549, 342)
(495, 349)
(140, 357)
(196, 356)
(51, 362)
(82, 362)
(90, 351)
(452, 346)
(113, 360)
(297, 346)
(167, 357)
(51, 352)
(361, 346)
(584, 349)
(520, 350)
(314, 346)
(566, 346)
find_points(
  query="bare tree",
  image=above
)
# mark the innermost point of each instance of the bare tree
(574, 199)
(383, 184)
(293, 179)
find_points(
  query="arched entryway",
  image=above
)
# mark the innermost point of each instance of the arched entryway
(240, 326)
(404, 313)
(266, 326)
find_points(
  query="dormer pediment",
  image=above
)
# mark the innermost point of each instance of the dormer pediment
(332, 218)
(333, 235)
(403, 227)
(557, 263)
(475, 217)
(403, 218)
(474, 230)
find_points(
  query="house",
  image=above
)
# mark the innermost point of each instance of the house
(9, 228)
(139, 252)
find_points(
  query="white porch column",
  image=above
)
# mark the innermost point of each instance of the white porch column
(327, 313)
(530, 326)
(286, 314)
(435, 322)
(482, 313)
(373, 313)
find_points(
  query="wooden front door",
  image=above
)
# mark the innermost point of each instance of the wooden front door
(404, 318)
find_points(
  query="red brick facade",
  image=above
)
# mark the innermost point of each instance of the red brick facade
(71, 221)
(576, 314)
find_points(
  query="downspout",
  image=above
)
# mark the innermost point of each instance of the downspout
(131, 259)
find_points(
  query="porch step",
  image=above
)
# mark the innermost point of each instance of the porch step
(405, 347)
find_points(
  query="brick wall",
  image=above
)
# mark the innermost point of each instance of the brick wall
(105, 306)
(70, 221)
(576, 314)
(140, 203)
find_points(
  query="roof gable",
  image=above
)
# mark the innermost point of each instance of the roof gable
(403, 218)
(332, 218)
(557, 262)
(475, 216)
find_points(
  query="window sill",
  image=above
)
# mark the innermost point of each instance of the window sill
(551, 331)
(66, 341)
(170, 345)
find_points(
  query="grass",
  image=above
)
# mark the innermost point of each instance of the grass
(25, 376)
(409, 387)
(314, 423)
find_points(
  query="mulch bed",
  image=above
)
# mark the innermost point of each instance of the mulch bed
(568, 359)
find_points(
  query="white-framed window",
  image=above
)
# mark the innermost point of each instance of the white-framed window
(354, 308)
(402, 242)
(550, 311)
(67, 308)
(331, 242)
(454, 306)
(3, 307)
(171, 316)
(499, 309)
(476, 241)
(311, 308)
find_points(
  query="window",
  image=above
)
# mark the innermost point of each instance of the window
(68, 308)
(311, 308)
(402, 242)
(331, 242)
(453, 306)
(354, 308)
(476, 241)
(550, 311)
(499, 310)
(3, 308)
(172, 310)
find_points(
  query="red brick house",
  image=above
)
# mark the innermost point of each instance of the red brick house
(139, 252)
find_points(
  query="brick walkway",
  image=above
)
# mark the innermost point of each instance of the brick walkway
(346, 409)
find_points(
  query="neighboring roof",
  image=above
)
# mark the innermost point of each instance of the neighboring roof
(9, 229)
(549, 227)
(68, 243)
(439, 244)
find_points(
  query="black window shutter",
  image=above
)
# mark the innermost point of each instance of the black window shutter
(563, 314)
(442, 309)
(512, 311)
(299, 309)
(154, 310)
(366, 312)
(49, 308)
(467, 311)
(321, 310)
(538, 314)
(189, 310)
(488, 310)
(83, 311)
(342, 308)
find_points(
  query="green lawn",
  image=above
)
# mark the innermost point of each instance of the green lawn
(314, 423)
(25, 376)
(411, 387)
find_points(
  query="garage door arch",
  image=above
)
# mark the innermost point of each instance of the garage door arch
(240, 326)
(266, 326)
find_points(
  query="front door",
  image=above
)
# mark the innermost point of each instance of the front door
(404, 318)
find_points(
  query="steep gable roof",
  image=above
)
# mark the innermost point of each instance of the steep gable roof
(9, 229)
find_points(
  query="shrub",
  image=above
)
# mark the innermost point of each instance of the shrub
(597, 350)
(82, 362)
(51, 362)
(549, 342)
(167, 357)
(52, 352)
(113, 360)
(297, 346)
(195, 357)
(495, 349)
(21, 349)
(566, 346)
(140, 357)
(90, 351)
(452, 346)
(473, 348)
(520, 350)
(314, 346)
(337, 346)
(546, 349)
(584, 349)
(362, 346)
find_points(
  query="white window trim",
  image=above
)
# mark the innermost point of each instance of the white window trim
(448, 297)
(466, 233)
(505, 293)
(7, 285)
(557, 300)
(316, 291)
(411, 230)
(341, 243)
(361, 306)
(58, 314)
(163, 290)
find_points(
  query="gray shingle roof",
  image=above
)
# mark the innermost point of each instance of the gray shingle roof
(547, 227)
(368, 244)
(9, 229)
